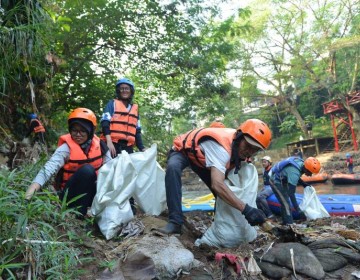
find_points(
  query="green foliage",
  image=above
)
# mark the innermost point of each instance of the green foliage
(288, 125)
(108, 264)
(36, 236)
(24, 34)
(321, 128)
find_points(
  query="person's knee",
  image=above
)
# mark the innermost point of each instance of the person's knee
(87, 170)
(173, 167)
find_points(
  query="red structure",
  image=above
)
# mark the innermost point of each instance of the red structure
(340, 116)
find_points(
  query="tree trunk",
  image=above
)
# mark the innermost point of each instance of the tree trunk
(294, 111)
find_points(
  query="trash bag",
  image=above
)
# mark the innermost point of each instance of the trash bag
(312, 206)
(136, 175)
(230, 228)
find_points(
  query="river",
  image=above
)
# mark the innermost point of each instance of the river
(329, 188)
(322, 188)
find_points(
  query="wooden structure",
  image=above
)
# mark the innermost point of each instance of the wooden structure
(342, 122)
(311, 147)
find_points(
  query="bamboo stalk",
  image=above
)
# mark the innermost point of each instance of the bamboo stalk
(35, 241)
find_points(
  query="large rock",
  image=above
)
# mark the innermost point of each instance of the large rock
(334, 253)
(166, 253)
(305, 261)
(329, 260)
(274, 271)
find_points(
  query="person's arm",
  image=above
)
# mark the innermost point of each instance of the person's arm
(51, 167)
(291, 192)
(302, 183)
(105, 151)
(216, 158)
(253, 215)
(222, 190)
(105, 126)
(138, 140)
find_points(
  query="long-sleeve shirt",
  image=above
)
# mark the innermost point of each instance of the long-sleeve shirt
(106, 118)
(56, 162)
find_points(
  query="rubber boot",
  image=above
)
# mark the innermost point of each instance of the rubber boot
(170, 228)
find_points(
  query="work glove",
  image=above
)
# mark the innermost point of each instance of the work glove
(302, 183)
(253, 215)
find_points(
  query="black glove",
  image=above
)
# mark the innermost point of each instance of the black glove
(253, 215)
(302, 183)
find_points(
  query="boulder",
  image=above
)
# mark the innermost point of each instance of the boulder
(305, 261)
(167, 254)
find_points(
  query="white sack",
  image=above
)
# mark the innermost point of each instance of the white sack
(311, 205)
(230, 228)
(135, 175)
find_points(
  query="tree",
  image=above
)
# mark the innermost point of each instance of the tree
(24, 30)
(290, 50)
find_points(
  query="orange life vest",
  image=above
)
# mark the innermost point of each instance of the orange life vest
(123, 123)
(78, 158)
(188, 143)
(39, 128)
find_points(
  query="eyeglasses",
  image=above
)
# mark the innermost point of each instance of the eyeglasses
(124, 89)
(81, 132)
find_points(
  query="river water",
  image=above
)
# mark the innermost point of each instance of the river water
(329, 188)
(322, 188)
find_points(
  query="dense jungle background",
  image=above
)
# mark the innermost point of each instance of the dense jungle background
(192, 61)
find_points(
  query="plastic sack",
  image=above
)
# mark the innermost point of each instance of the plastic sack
(136, 175)
(230, 228)
(311, 205)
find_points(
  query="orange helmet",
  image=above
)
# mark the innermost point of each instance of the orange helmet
(312, 165)
(258, 131)
(217, 124)
(83, 113)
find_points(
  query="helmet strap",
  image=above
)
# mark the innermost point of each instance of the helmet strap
(235, 151)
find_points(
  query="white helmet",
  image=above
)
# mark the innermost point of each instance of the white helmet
(267, 158)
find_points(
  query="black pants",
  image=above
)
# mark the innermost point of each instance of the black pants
(284, 193)
(82, 182)
(123, 147)
(176, 163)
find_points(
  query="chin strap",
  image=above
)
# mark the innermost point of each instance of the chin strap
(235, 151)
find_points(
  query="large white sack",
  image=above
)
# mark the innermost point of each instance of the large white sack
(135, 175)
(311, 205)
(230, 228)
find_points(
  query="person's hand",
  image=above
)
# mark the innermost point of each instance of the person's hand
(31, 190)
(111, 147)
(303, 184)
(253, 215)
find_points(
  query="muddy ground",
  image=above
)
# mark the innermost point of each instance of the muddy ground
(196, 223)
(347, 228)
(102, 251)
